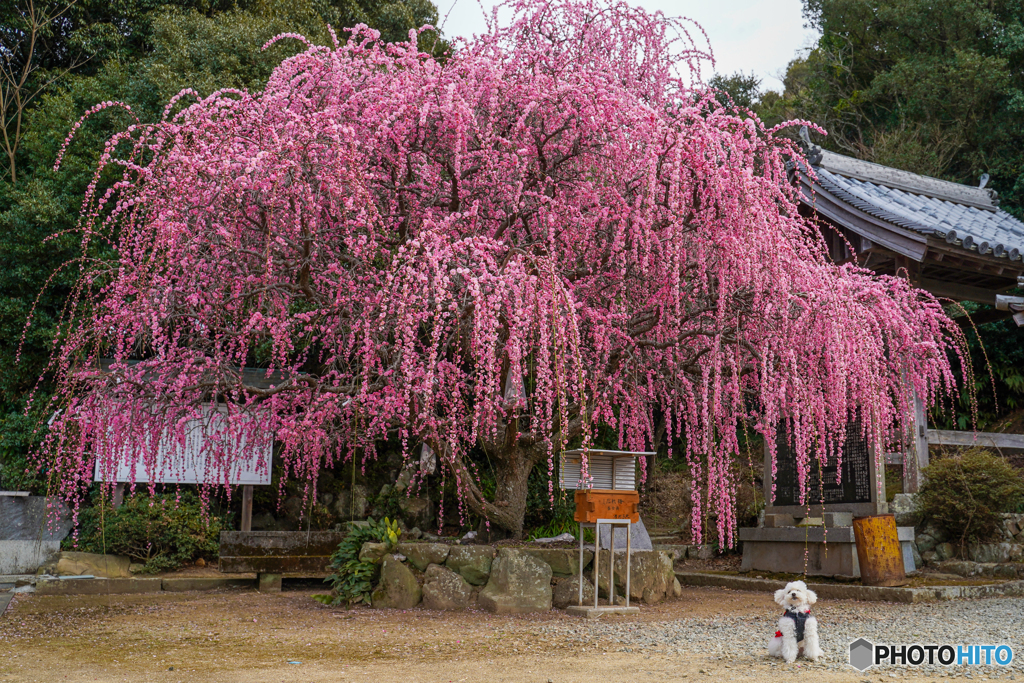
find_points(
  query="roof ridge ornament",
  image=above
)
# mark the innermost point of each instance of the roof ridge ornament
(812, 151)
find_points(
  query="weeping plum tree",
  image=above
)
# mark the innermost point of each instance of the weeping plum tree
(557, 227)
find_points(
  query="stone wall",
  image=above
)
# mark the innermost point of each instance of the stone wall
(507, 580)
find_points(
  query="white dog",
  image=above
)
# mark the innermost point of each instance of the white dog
(798, 630)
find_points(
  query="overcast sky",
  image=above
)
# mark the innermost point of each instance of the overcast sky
(746, 35)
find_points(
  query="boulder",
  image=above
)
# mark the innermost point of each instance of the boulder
(677, 588)
(422, 555)
(925, 542)
(990, 552)
(444, 589)
(700, 552)
(473, 562)
(563, 561)
(518, 583)
(963, 568)
(417, 511)
(78, 564)
(918, 560)
(904, 509)
(930, 557)
(945, 551)
(397, 588)
(567, 592)
(651, 575)
(373, 552)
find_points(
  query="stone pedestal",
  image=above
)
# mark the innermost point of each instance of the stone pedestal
(833, 554)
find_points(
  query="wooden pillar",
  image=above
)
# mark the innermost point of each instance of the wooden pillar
(918, 455)
(118, 497)
(246, 522)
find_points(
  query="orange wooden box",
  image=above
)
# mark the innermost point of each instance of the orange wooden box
(595, 504)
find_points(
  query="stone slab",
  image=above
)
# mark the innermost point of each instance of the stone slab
(277, 551)
(205, 583)
(839, 534)
(21, 557)
(5, 600)
(640, 539)
(33, 518)
(98, 586)
(831, 591)
(600, 611)
(833, 559)
(829, 552)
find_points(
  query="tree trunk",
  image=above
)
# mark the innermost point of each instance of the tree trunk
(512, 466)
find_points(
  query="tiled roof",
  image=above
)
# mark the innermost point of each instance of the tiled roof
(968, 217)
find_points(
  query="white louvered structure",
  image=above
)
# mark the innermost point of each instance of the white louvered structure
(608, 470)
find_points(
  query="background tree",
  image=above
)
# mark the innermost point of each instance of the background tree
(935, 88)
(547, 233)
(140, 52)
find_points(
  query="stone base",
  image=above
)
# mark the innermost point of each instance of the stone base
(835, 554)
(595, 612)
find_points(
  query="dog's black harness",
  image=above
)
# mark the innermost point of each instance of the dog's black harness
(799, 619)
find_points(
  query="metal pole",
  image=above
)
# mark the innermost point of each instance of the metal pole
(580, 603)
(611, 565)
(629, 550)
(597, 558)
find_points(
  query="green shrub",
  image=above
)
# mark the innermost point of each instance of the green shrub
(352, 580)
(162, 532)
(964, 495)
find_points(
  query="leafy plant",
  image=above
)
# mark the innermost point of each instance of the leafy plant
(352, 580)
(162, 532)
(964, 495)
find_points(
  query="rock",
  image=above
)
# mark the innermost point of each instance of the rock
(418, 511)
(422, 555)
(264, 521)
(489, 534)
(935, 532)
(639, 538)
(1016, 552)
(651, 576)
(136, 568)
(918, 560)
(904, 509)
(677, 589)
(962, 568)
(560, 538)
(945, 551)
(473, 562)
(200, 562)
(567, 592)
(518, 583)
(398, 588)
(990, 552)
(563, 561)
(78, 564)
(700, 552)
(444, 589)
(414, 533)
(469, 538)
(373, 552)
(930, 557)
(326, 499)
(925, 542)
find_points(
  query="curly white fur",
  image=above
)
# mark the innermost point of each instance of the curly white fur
(796, 597)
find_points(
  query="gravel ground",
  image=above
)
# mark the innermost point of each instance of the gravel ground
(740, 640)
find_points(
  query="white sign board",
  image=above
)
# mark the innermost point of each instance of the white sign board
(188, 464)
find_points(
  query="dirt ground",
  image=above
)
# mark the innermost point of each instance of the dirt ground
(242, 635)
